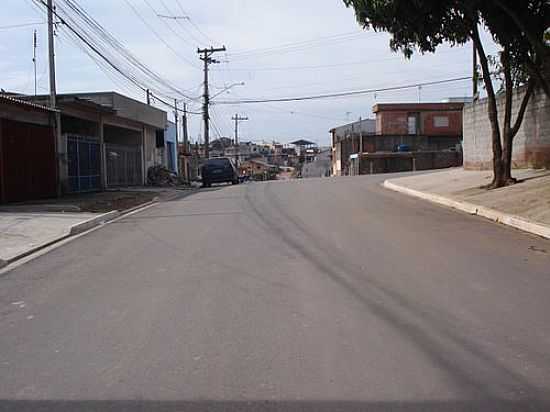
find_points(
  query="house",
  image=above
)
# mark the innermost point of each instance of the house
(28, 164)
(421, 126)
(320, 166)
(255, 167)
(107, 140)
(408, 127)
(345, 141)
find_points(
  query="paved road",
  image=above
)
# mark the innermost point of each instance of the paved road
(318, 295)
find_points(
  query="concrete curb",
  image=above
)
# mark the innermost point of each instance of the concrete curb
(93, 222)
(491, 214)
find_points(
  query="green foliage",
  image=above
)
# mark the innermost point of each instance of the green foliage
(422, 25)
(414, 25)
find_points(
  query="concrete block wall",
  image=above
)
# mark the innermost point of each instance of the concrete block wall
(531, 145)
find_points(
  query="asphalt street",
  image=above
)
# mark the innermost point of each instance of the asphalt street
(309, 295)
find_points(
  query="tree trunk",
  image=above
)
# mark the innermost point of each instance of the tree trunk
(507, 159)
(498, 169)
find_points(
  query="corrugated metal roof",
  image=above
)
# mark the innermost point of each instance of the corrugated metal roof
(19, 102)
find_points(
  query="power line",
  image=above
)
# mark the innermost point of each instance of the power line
(211, 40)
(323, 66)
(17, 26)
(100, 41)
(299, 46)
(342, 94)
(177, 21)
(158, 36)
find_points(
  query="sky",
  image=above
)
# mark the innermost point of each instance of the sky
(278, 49)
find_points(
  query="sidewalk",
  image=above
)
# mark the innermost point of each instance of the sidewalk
(525, 206)
(21, 233)
(28, 227)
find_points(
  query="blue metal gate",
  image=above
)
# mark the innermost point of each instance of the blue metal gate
(84, 158)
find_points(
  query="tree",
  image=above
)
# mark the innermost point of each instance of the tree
(424, 25)
(531, 20)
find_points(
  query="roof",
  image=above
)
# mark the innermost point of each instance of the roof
(18, 102)
(302, 142)
(365, 125)
(417, 107)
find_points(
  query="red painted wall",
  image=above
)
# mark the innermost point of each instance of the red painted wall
(393, 118)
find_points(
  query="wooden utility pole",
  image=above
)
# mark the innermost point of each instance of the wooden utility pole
(60, 144)
(185, 131)
(51, 55)
(176, 120)
(206, 57)
(360, 138)
(238, 119)
(35, 45)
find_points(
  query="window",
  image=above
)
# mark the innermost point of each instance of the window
(159, 138)
(441, 121)
(412, 124)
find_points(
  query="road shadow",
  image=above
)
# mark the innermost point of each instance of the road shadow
(273, 406)
(154, 217)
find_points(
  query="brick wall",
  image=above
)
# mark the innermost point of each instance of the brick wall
(429, 123)
(531, 145)
(393, 123)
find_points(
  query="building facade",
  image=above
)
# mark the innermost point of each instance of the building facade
(398, 127)
(107, 140)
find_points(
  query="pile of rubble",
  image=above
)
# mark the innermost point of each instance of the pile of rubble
(160, 176)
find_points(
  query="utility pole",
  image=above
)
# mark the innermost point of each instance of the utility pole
(148, 97)
(34, 45)
(51, 55)
(206, 57)
(238, 119)
(360, 138)
(60, 144)
(184, 127)
(176, 119)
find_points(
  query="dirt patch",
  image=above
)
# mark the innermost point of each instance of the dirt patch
(108, 201)
(100, 202)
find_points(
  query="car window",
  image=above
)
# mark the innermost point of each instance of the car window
(218, 163)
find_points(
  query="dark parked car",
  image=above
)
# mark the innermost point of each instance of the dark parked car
(219, 170)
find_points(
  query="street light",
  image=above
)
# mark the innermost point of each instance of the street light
(227, 88)
(164, 16)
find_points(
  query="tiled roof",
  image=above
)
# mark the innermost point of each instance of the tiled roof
(13, 100)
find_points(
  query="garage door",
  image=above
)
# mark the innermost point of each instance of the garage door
(28, 161)
(123, 165)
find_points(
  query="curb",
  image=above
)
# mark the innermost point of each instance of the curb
(491, 214)
(93, 222)
(80, 228)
